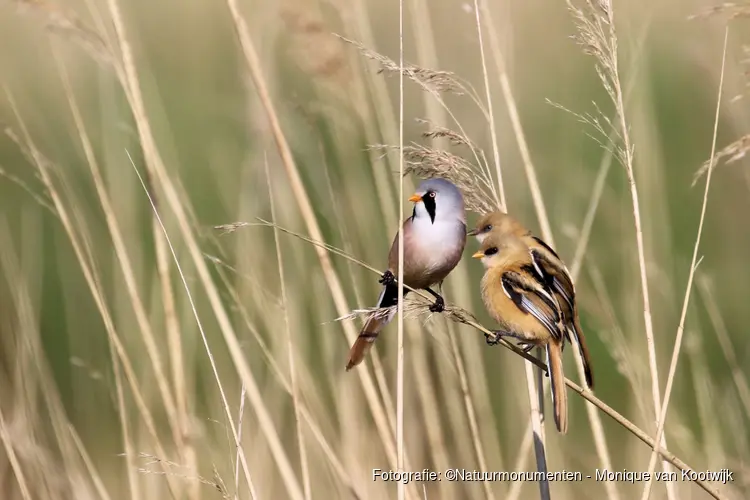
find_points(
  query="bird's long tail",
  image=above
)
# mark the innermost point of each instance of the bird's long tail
(388, 297)
(584, 351)
(557, 381)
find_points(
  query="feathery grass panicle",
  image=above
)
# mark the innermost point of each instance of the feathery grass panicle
(169, 468)
(414, 306)
(68, 26)
(434, 81)
(729, 10)
(732, 153)
(605, 132)
(426, 163)
(455, 138)
(595, 34)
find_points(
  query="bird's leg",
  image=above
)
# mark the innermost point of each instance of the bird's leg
(439, 305)
(527, 346)
(387, 278)
(494, 339)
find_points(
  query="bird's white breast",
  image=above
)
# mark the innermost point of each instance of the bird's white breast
(439, 243)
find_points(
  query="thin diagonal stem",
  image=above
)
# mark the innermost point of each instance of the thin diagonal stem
(686, 301)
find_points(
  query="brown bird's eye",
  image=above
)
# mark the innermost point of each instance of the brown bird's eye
(487, 228)
(490, 251)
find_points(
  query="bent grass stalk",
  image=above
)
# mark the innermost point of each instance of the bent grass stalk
(400, 292)
(290, 351)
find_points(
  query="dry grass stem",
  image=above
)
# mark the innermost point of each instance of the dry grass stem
(597, 36)
(305, 413)
(490, 111)
(535, 391)
(722, 336)
(471, 413)
(290, 351)
(225, 402)
(686, 301)
(41, 199)
(518, 133)
(96, 478)
(13, 458)
(238, 450)
(400, 444)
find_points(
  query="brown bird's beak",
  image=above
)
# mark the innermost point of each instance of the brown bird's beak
(473, 232)
(478, 255)
(415, 198)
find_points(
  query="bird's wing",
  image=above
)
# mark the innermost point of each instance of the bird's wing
(557, 278)
(408, 229)
(532, 297)
(553, 273)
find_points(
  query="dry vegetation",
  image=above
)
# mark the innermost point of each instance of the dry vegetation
(196, 200)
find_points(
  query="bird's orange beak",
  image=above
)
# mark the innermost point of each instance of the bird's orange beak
(478, 255)
(415, 198)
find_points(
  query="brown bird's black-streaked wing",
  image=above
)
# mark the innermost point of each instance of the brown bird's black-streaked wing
(555, 276)
(532, 297)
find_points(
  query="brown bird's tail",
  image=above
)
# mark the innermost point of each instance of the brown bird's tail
(557, 382)
(388, 297)
(584, 351)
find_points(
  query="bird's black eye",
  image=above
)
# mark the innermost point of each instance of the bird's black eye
(431, 194)
(490, 251)
(487, 228)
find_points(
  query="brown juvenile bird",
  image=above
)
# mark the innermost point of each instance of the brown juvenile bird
(528, 291)
(434, 239)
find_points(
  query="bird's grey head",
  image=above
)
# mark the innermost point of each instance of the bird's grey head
(438, 200)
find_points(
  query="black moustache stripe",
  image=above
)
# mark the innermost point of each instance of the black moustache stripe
(429, 204)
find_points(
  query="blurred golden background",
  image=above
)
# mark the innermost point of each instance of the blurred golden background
(119, 380)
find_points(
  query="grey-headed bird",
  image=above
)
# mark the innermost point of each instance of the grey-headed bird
(434, 239)
(528, 290)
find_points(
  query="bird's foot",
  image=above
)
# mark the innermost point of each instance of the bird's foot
(526, 346)
(438, 306)
(493, 338)
(387, 278)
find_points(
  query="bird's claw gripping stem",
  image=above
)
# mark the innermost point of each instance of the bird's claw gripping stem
(492, 338)
(387, 278)
(438, 306)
